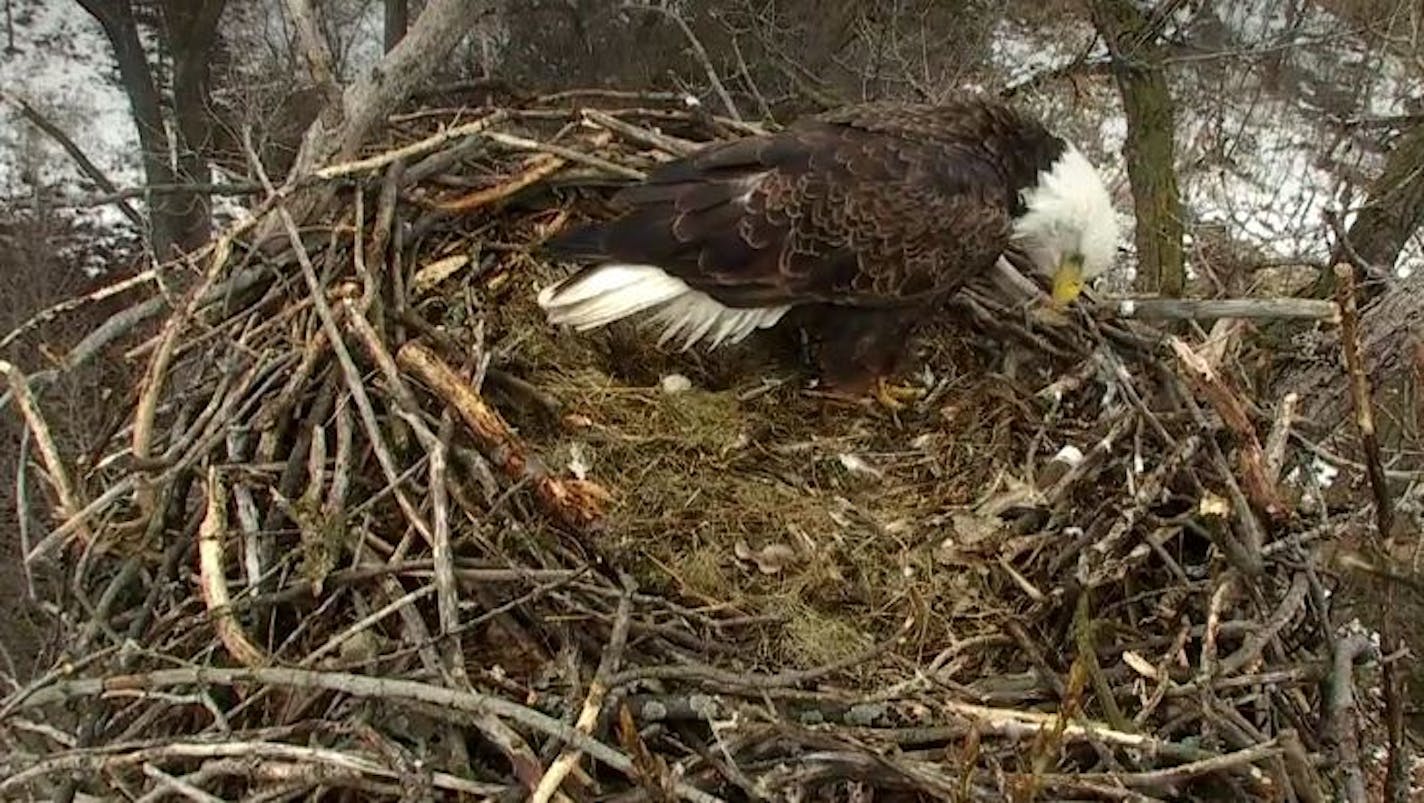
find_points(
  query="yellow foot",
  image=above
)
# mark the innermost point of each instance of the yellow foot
(893, 397)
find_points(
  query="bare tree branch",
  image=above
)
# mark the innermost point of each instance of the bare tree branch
(76, 153)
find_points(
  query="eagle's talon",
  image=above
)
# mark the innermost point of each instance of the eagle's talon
(893, 397)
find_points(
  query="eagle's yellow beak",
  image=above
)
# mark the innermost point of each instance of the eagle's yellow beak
(1068, 280)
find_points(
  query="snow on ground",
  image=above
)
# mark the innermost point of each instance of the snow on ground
(61, 65)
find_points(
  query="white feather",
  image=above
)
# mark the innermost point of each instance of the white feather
(615, 291)
(1070, 210)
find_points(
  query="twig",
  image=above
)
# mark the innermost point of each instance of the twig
(1396, 784)
(698, 50)
(525, 144)
(592, 704)
(542, 169)
(1256, 642)
(51, 313)
(576, 503)
(71, 501)
(1176, 775)
(1259, 486)
(356, 685)
(643, 136)
(211, 535)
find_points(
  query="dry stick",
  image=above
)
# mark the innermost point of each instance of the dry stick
(1259, 487)
(1257, 640)
(211, 535)
(71, 501)
(446, 590)
(698, 50)
(1184, 309)
(155, 375)
(1183, 772)
(576, 503)
(1014, 722)
(522, 143)
(592, 704)
(79, 522)
(1339, 730)
(52, 312)
(545, 166)
(1303, 777)
(22, 510)
(98, 761)
(385, 217)
(643, 136)
(1279, 437)
(356, 685)
(348, 366)
(169, 783)
(1396, 783)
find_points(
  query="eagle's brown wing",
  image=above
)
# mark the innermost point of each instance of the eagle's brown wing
(872, 205)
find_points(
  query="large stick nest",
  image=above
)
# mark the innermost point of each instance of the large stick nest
(370, 525)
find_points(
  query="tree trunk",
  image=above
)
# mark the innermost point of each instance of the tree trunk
(1393, 211)
(353, 115)
(1149, 150)
(397, 21)
(191, 28)
(165, 211)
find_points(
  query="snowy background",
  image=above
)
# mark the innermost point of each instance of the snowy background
(1262, 160)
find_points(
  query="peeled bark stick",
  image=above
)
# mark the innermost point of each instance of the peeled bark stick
(576, 503)
(539, 169)
(1191, 309)
(71, 502)
(1253, 464)
(211, 534)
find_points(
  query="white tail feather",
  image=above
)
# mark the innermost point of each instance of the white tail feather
(616, 291)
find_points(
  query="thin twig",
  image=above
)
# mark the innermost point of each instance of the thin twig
(1396, 782)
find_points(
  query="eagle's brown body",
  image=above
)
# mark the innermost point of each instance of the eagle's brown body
(864, 218)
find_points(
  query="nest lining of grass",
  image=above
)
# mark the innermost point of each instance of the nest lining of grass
(470, 552)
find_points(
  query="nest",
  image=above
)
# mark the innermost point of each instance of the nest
(371, 525)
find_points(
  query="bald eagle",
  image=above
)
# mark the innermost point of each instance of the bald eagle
(864, 219)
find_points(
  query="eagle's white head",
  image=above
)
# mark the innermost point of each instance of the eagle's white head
(1069, 228)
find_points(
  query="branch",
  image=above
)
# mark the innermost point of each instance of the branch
(697, 50)
(71, 502)
(1395, 781)
(470, 702)
(82, 161)
(118, 195)
(1184, 309)
(575, 503)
